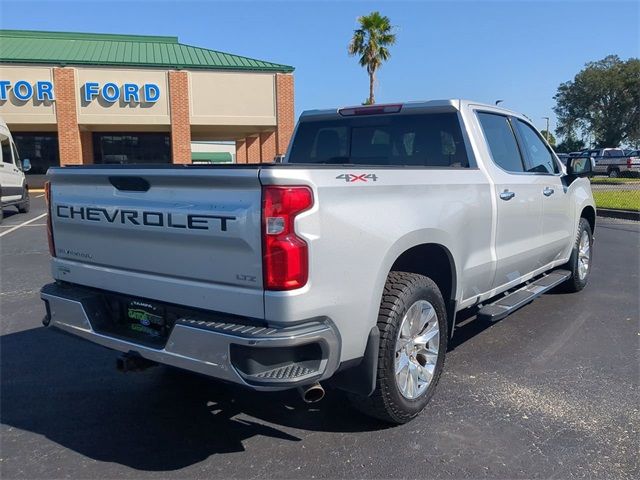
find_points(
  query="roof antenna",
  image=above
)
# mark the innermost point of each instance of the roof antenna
(498, 102)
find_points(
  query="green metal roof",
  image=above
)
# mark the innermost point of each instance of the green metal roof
(67, 48)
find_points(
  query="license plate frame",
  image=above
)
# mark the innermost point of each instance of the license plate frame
(146, 318)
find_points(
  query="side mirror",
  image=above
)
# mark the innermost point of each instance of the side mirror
(580, 166)
(26, 165)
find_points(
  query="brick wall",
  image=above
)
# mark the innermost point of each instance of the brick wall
(69, 145)
(267, 146)
(253, 149)
(285, 111)
(180, 121)
(86, 142)
(241, 151)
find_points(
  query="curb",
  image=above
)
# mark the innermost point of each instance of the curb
(623, 214)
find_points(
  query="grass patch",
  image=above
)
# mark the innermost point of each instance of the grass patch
(614, 181)
(619, 200)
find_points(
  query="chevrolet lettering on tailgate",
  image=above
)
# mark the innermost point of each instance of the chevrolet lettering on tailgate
(146, 218)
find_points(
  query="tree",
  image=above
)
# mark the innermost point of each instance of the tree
(371, 42)
(548, 136)
(603, 99)
(570, 144)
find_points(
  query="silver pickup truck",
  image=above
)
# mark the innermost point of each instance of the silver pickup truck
(346, 264)
(613, 162)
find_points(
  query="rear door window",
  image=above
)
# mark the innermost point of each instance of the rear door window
(424, 140)
(538, 157)
(501, 141)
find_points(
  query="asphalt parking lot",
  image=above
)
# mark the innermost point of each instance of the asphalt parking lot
(550, 392)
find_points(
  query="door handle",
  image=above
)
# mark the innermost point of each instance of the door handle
(507, 195)
(548, 192)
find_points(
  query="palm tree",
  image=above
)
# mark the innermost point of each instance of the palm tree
(371, 42)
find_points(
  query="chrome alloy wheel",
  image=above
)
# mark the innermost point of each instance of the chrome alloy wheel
(417, 349)
(584, 255)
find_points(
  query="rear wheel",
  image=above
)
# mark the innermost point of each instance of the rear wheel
(413, 341)
(580, 261)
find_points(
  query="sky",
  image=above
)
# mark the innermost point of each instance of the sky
(516, 51)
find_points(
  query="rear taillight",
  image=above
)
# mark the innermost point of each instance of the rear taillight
(629, 162)
(285, 256)
(47, 197)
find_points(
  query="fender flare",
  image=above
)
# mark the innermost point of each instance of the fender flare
(415, 239)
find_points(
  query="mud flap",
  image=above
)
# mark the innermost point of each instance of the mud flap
(361, 378)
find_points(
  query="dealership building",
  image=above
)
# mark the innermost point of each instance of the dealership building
(81, 98)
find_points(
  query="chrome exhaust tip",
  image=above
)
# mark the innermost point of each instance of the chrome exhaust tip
(311, 393)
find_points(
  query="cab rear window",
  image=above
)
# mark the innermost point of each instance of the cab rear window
(423, 140)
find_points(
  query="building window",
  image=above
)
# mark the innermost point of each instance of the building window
(127, 148)
(40, 148)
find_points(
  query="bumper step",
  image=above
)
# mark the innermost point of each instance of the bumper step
(211, 343)
(227, 327)
(510, 303)
(288, 372)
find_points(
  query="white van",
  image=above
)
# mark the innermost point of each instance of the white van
(13, 185)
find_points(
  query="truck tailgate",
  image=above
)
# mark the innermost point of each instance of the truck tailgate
(181, 235)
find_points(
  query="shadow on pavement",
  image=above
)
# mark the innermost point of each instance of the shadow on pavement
(468, 326)
(162, 419)
(9, 212)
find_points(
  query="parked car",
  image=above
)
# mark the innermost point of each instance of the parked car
(14, 191)
(346, 264)
(563, 157)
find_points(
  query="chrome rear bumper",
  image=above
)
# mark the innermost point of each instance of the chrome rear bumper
(260, 357)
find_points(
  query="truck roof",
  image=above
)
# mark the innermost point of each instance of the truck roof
(452, 103)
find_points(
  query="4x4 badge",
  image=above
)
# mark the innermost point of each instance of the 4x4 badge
(352, 177)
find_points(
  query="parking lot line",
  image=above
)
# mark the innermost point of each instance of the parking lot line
(22, 224)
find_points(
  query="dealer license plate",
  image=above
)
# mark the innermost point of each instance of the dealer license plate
(146, 318)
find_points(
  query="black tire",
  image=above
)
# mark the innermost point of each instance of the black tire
(387, 403)
(614, 173)
(25, 204)
(576, 283)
